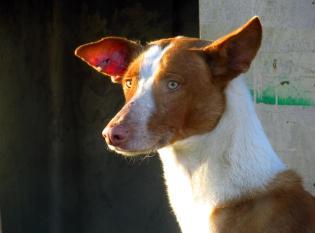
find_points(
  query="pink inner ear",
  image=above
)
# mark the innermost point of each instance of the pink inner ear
(108, 56)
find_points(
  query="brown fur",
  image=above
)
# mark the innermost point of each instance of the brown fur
(194, 109)
(284, 207)
(197, 106)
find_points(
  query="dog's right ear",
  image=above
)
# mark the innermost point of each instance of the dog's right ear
(232, 54)
(110, 56)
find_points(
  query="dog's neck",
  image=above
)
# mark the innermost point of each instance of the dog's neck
(227, 163)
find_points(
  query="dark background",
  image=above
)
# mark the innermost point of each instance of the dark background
(56, 175)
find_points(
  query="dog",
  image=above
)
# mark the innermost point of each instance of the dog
(187, 100)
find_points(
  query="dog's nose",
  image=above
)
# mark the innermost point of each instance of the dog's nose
(115, 135)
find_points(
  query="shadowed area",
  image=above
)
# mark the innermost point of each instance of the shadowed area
(56, 174)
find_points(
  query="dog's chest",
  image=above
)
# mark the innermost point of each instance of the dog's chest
(188, 195)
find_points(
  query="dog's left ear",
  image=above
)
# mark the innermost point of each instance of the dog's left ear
(232, 54)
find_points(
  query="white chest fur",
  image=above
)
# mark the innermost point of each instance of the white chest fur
(188, 195)
(232, 160)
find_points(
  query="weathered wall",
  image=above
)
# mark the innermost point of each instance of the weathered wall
(282, 78)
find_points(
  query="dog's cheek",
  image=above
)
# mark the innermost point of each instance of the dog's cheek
(168, 120)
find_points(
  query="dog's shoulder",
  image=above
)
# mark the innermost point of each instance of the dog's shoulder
(283, 207)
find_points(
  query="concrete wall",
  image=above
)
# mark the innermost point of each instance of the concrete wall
(282, 78)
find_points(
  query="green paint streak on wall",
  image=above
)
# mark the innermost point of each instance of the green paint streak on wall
(268, 97)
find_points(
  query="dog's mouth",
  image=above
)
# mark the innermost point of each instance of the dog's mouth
(131, 153)
(129, 150)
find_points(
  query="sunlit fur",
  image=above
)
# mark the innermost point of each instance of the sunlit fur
(207, 170)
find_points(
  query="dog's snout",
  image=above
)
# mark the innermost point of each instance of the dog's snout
(115, 135)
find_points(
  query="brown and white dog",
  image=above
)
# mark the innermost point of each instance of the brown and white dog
(186, 99)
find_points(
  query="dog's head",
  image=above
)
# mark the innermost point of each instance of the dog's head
(174, 88)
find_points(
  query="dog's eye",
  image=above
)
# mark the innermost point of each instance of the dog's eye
(172, 85)
(128, 83)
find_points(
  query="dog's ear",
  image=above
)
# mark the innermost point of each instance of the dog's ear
(110, 55)
(232, 54)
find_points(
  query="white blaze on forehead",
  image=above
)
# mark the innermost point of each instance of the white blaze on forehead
(143, 104)
(148, 70)
(150, 62)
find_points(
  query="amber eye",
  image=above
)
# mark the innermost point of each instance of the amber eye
(172, 85)
(128, 83)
